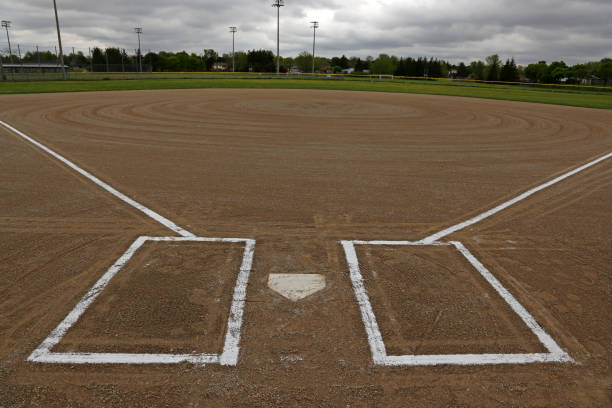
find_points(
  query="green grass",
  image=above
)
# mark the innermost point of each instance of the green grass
(566, 96)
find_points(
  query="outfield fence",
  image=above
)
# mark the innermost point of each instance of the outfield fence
(38, 72)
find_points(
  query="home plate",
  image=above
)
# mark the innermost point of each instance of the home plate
(296, 286)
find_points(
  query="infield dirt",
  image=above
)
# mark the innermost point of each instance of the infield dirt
(299, 171)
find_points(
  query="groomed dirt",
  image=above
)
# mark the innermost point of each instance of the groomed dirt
(299, 171)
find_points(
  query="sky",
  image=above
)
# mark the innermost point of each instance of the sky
(575, 31)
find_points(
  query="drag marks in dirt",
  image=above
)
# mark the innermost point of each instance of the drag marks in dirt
(231, 348)
(150, 213)
(437, 236)
(229, 356)
(375, 339)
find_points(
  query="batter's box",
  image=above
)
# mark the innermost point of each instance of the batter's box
(379, 349)
(164, 271)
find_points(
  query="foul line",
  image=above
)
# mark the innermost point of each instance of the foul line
(437, 236)
(162, 220)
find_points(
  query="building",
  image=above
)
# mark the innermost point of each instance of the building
(220, 66)
(32, 72)
(27, 68)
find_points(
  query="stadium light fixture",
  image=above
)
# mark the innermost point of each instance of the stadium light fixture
(7, 24)
(233, 30)
(278, 4)
(315, 25)
(138, 31)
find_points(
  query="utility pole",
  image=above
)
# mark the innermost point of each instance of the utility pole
(59, 40)
(233, 31)
(315, 25)
(138, 31)
(278, 4)
(7, 25)
(90, 61)
(38, 55)
(2, 77)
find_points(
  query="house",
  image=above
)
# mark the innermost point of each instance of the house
(220, 66)
(348, 71)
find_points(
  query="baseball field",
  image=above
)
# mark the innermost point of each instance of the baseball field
(301, 247)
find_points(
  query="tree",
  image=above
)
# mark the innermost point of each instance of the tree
(605, 70)
(493, 68)
(242, 61)
(341, 62)
(463, 71)
(477, 69)
(509, 72)
(556, 71)
(209, 57)
(261, 61)
(304, 61)
(383, 65)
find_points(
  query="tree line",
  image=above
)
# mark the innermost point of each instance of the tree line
(493, 68)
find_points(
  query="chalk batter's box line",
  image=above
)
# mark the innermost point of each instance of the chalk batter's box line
(376, 342)
(231, 347)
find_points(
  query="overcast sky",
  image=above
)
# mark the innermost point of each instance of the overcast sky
(457, 30)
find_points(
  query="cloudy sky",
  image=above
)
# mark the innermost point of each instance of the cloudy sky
(529, 30)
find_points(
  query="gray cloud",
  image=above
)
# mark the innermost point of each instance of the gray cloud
(529, 30)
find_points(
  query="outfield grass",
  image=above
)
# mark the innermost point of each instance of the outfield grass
(570, 97)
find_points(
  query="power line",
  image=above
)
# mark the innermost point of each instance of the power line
(233, 30)
(315, 25)
(278, 4)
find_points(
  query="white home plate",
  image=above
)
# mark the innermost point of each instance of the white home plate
(296, 286)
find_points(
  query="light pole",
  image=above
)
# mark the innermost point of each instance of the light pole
(233, 31)
(278, 4)
(2, 77)
(138, 31)
(315, 25)
(7, 25)
(59, 40)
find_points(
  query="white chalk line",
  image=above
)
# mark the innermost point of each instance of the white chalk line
(533, 325)
(439, 235)
(377, 345)
(231, 349)
(376, 342)
(162, 220)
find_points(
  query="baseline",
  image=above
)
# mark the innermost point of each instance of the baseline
(150, 213)
(229, 355)
(438, 235)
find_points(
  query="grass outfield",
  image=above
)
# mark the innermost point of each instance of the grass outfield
(570, 96)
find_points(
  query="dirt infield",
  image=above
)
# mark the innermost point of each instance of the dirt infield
(299, 171)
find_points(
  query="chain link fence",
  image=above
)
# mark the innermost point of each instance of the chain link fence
(36, 63)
